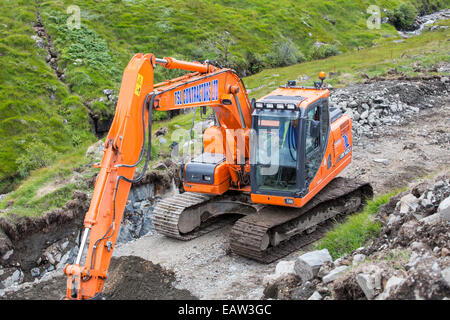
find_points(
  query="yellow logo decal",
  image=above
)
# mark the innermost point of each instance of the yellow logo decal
(139, 82)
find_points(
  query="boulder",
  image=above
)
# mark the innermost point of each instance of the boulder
(432, 220)
(161, 132)
(335, 274)
(307, 265)
(358, 258)
(408, 203)
(369, 284)
(285, 268)
(392, 284)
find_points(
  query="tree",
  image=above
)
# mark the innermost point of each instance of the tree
(221, 45)
(403, 17)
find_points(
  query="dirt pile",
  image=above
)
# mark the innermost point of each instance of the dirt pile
(410, 259)
(133, 278)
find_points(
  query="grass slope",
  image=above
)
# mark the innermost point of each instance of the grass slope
(35, 107)
(413, 56)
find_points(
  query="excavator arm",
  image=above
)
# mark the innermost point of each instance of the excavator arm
(220, 89)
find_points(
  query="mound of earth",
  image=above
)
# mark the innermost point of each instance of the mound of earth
(133, 278)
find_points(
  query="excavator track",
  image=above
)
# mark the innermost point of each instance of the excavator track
(210, 213)
(252, 236)
(264, 233)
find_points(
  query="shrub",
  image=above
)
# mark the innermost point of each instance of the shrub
(429, 6)
(403, 17)
(285, 53)
(37, 155)
(324, 51)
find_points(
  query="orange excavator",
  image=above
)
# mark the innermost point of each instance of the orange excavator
(270, 165)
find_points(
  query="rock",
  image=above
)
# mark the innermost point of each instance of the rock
(96, 150)
(394, 108)
(325, 269)
(383, 161)
(161, 132)
(142, 192)
(108, 92)
(444, 209)
(369, 284)
(393, 218)
(14, 279)
(284, 268)
(315, 296)
(364, 115)
(335, 274)
(64, 245)
(358, 258)
(304, 291)
(408, 203)
(414, 109)
(35, 272)
(7, 255)
(49, 258)
(307, 265)
(446, 276)
(417, 246)
(432, 220)
(62, 263)
(393, 283)
(162, 140)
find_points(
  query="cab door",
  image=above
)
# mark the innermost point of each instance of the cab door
(316, 139)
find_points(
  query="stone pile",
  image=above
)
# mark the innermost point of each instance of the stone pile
(376, 105)
(410, 259)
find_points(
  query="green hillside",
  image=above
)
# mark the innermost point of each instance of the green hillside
(47, 113)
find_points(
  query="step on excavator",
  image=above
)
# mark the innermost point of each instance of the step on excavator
(269, 165)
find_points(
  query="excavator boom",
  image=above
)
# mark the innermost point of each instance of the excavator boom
(220, 89)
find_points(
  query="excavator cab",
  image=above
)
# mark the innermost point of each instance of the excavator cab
(293, 146)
